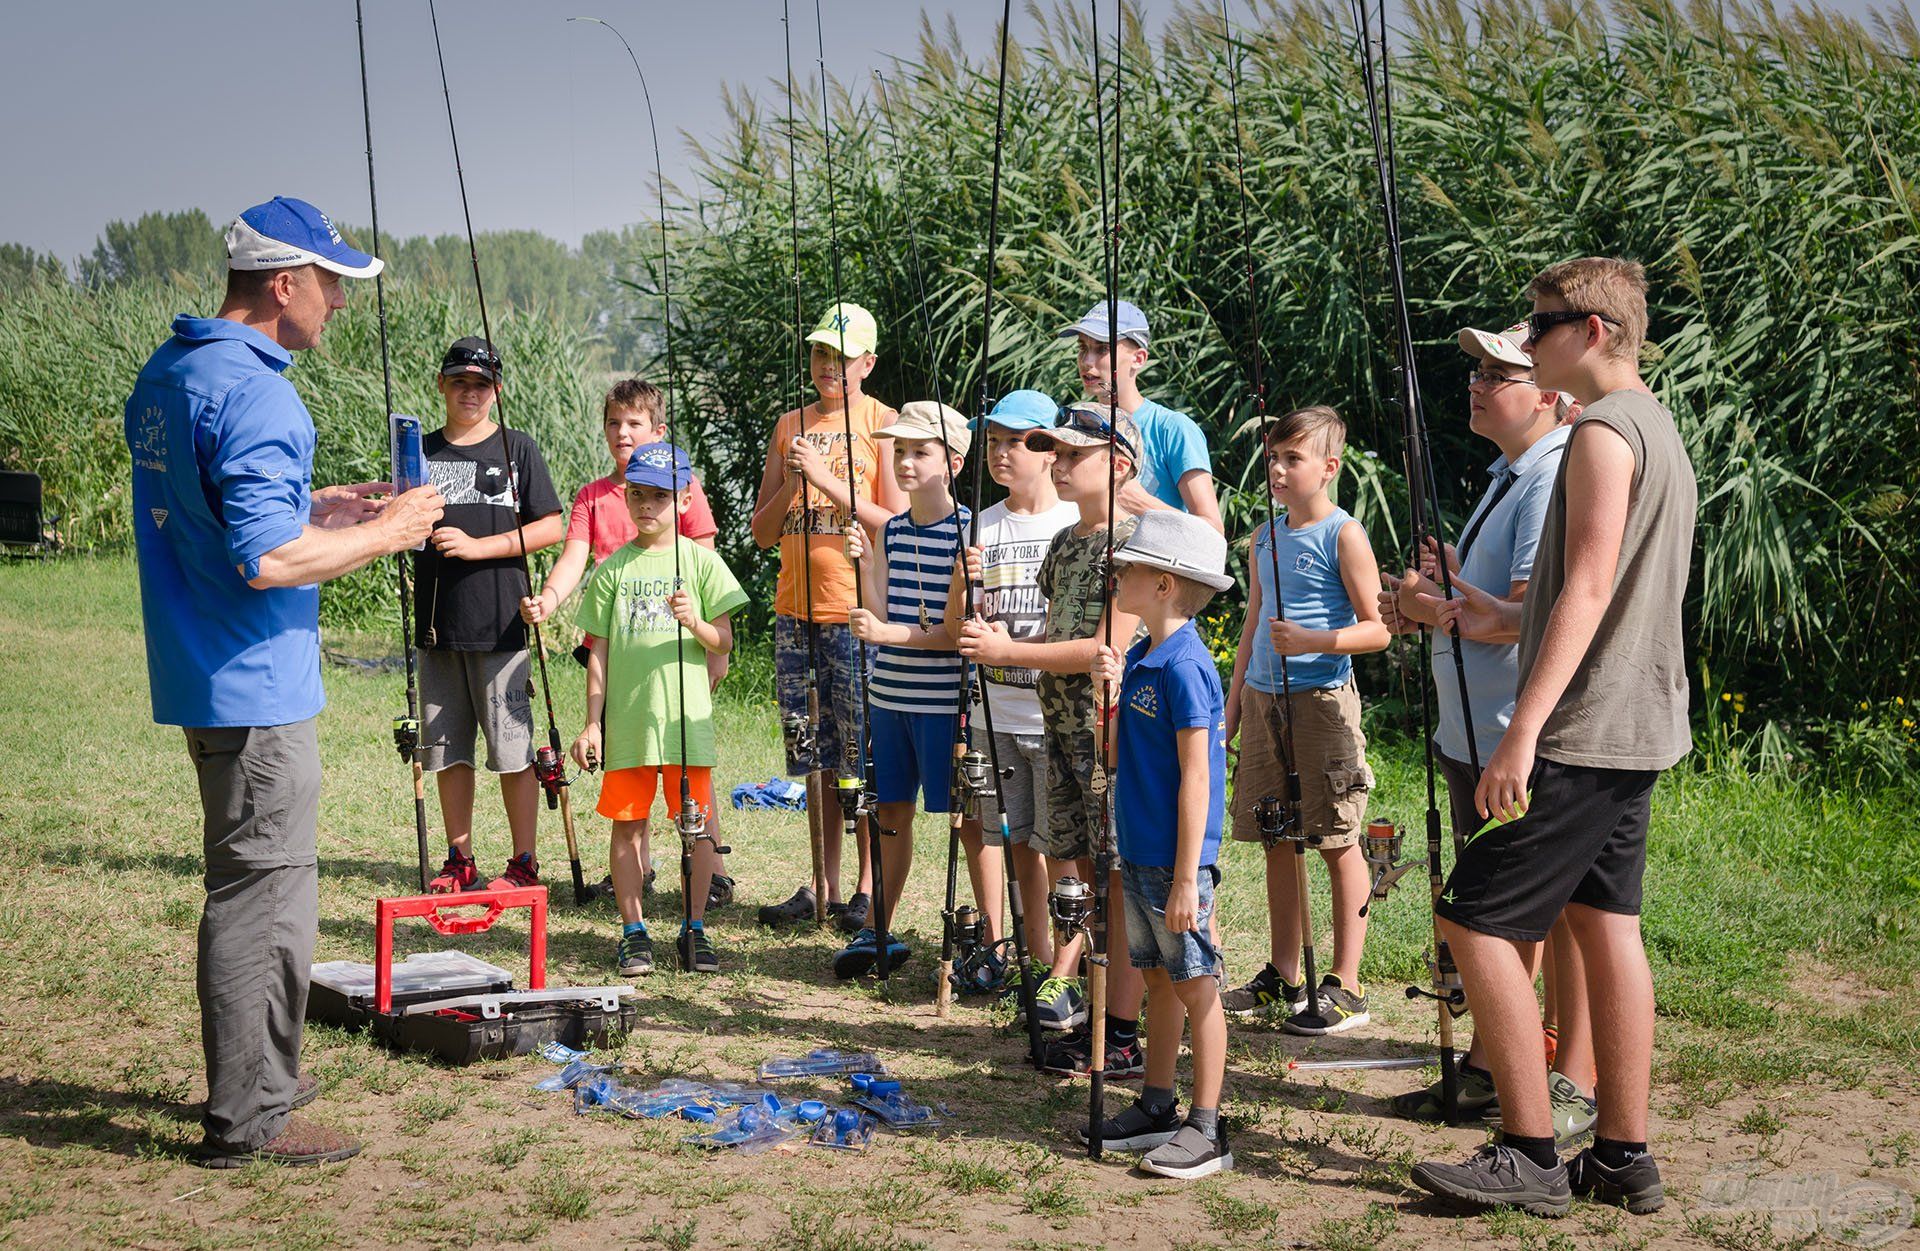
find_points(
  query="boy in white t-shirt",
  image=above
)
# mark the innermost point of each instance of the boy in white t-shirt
(1012, 540)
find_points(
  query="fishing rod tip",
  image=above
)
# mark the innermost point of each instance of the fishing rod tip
(596, 21)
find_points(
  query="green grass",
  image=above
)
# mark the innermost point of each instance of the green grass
(1779, 922)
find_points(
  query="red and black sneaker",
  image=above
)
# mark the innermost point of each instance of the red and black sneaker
(457, 874)
(522, 870)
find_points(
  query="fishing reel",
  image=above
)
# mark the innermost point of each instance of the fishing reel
(798, 729)
(1447, 987)
(551, 772)
(406, 736)
(979, 968)
(1071, 904)
(1382, 850)
(691, 822)
(973, 780)
(1275, 821)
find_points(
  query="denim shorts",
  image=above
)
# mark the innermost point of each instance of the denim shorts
(1145, 889)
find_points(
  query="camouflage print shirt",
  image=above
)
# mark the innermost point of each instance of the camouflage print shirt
(1073, 578)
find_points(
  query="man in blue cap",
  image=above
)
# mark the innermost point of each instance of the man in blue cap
(232, 542)
(1175, 470)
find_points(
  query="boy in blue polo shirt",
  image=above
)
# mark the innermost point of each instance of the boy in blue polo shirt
(1170, 779)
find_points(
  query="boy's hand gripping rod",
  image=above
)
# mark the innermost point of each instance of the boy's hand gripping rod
(549, 765)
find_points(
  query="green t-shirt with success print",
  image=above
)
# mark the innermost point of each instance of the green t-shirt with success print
(626, 604)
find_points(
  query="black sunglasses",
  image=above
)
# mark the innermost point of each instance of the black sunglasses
(1539, 323)
(1086, 423)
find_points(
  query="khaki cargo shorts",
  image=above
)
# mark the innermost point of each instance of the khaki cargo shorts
(1334, 777)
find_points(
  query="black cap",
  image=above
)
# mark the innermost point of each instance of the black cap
(471, 355)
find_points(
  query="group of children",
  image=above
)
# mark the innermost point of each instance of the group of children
(876, 609)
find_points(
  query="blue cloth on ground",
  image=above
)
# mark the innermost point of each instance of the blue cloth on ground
(772, 793)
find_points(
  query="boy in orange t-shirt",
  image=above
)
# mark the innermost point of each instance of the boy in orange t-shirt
(804, 506)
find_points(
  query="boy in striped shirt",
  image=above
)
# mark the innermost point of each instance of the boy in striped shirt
(914, 694)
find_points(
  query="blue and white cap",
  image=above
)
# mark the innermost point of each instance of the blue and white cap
(1022, 410)
(285, 232)
(660, 465)
(1133, 324)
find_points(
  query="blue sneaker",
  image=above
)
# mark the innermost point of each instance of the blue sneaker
(862, 954)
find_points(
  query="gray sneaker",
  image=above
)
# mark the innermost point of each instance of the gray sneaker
(1498, 1176)
(1635, 1186)
(1059, 1004)
(1136, 1129)
(1340, 1011)
(1474, 1092)
(1267, 992)
(1190, 1154)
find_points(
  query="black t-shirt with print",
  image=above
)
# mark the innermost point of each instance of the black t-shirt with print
(474, 605)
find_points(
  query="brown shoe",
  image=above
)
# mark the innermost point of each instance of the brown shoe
(299, 1143)
(305, 1091)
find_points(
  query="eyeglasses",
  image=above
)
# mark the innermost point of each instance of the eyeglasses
(473, 356)
(1540, 323)
(1493, 382)
(1086, 423)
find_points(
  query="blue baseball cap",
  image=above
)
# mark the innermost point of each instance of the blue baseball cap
(660, 465)
(1021, 410)
(1133, 324)
(285, 232)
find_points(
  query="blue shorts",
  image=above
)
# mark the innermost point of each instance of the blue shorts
(1149, 945)
(913, 751)
(839, 694)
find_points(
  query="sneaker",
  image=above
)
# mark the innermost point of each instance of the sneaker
(1474, 1093)
(1498, 1176)
(634, 957)
(863, 953)
(696, 951)
(857, 912)
(1267, 991)
(522, 870)
(1635, 1186)
(1573, 1113)
(797, 908)
(305, 1091)
(1072, 1056)
(1340, 1011)
(720, 891)
(298, 1144)
(457, 874)
(1058, 1003)
(1190, 1154)
(1137, 1129)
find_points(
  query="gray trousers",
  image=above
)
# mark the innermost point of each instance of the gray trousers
(260, 795)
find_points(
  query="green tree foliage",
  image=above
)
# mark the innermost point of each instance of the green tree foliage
(155, 245)
(22, 266)
(1761, 166)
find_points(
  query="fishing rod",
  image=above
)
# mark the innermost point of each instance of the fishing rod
(1446, 991)
(1104, 710)
(975, 776)
(549, 765)
(855, 784)
(805, 735)
(406, 727)
(691, 820)
(1277, 818)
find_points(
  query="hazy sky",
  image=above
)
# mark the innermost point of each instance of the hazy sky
(117, 107)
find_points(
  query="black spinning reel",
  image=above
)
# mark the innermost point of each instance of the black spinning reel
(798, 728)
(406, 736)
(973, 781)
(979, 967)
(1071, 903)
(1276, 821)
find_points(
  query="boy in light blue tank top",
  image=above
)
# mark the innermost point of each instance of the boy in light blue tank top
(1330, 587)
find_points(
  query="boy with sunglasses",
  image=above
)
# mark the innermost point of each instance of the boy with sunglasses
(1602, 711)
(1089, 456)
(475, 676)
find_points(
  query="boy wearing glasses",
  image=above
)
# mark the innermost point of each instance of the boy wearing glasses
(1507, 407)
(1073, 578)
(468, 584)
(1602, 711)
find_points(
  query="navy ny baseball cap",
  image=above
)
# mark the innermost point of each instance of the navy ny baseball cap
(660, 465)
(285, 232)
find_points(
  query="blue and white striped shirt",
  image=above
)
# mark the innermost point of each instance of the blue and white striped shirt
(920, 563)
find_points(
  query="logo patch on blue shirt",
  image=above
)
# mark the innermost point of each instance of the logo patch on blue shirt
(1146, 700)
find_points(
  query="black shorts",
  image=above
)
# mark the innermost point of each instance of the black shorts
(1583, 840)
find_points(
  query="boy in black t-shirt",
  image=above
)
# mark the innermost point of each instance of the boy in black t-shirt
(474, 669)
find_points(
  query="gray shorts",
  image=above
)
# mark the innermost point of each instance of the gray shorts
(462, 693)
(1023, 791)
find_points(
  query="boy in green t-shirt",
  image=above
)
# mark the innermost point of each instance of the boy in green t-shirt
(644, 605)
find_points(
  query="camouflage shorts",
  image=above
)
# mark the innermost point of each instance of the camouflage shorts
(1073, 808)
(839, 694)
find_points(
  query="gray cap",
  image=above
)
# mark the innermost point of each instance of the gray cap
(1178, 543)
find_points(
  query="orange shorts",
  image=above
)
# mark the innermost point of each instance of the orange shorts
(627, 794)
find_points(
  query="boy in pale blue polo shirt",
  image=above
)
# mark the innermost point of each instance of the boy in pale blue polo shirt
(1175, 470)
(1170, 785)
